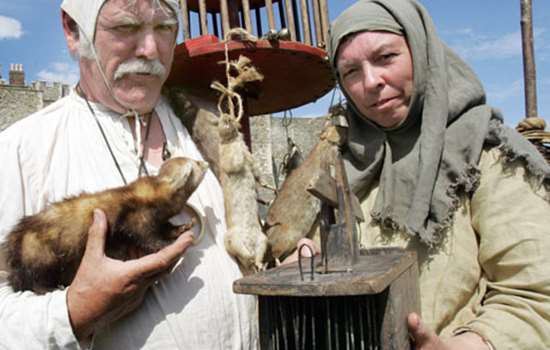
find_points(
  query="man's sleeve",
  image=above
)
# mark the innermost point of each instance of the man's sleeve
(511, 213)
(27, 320)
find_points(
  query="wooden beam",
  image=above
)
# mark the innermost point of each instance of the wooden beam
(203, 18)
(290, 20)
(246, 15)
(225, 17)
(325, 21)
(185, 20)
(270, 15)
(319, 37)
(529, 70)
(304, 10)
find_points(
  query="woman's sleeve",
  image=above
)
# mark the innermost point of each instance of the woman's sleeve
(511, 214)
(27, 320)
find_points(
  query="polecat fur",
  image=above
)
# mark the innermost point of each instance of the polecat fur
(44, 250)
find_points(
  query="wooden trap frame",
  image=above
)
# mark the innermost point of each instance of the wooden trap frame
(351, 299)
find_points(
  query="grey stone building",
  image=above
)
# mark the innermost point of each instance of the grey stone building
(277, 142)
(18, 100)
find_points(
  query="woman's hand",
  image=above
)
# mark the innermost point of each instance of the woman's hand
(306, 253)
(426, 339)
(105, 289)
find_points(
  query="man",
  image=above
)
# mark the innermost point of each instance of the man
(112, 128)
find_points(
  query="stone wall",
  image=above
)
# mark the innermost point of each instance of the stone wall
(270, 144)
(17, 102)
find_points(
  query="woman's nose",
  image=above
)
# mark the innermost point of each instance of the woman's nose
(372, 77)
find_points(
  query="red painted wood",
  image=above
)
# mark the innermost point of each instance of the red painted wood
(294, 73)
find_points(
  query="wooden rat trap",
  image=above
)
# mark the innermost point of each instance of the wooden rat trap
(351, 299)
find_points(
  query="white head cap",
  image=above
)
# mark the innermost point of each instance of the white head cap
(85, 13)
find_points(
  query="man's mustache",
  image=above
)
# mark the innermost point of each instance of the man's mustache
(140, 66)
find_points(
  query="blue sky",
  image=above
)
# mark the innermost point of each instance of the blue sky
(485, 33)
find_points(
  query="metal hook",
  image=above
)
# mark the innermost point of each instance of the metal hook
(312, 262)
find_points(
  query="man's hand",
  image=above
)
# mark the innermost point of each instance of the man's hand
(426, 339)
(106, 289)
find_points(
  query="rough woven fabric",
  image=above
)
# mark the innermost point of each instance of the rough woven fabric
(429, 161)
(85, 13)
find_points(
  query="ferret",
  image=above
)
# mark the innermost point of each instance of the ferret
(44, 250)
(244, 239)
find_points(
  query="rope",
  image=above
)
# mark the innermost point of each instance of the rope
(245, 73)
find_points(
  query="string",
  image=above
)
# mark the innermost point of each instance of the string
(141, 160)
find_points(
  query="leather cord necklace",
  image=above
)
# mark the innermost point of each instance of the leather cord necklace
(142, 166)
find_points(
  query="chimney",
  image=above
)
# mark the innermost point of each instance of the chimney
(17, 75)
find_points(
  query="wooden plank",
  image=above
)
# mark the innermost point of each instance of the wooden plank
(214, 17)
(202, 17)
(233, 8)
(282, 14)
(529, 69)
(290, 20)
(270, 14)
(346, 213)
(304, 10)
(371, 275)
(325, 20)
(319, 37)
(225, 17)
(259, 22)
(185, 20)
(246, 15)
(403, 297)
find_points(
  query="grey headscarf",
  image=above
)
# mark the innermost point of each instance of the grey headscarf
(427, 163)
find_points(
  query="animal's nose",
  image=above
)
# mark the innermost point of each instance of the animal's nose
(203, 165)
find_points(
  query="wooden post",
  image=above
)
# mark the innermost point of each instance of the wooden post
(282, 14)
(214, 17)
(290, 17)
(270, 15)
(529, 71)
(225, 17)
(325, 20)
(259, 22)
(203, 18)
(246, 15)
(320, 39)
(305, 22)
(296, 24)
(185, 20)
(234, 20)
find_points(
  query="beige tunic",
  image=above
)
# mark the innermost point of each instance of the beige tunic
(491, 275)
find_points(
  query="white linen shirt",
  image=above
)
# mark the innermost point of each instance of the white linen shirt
(59, 152)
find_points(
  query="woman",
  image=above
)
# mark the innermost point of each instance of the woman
(439, 173)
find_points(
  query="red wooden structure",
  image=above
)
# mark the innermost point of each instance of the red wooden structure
(289, 54)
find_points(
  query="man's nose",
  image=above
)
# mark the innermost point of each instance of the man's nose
(147, 46)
